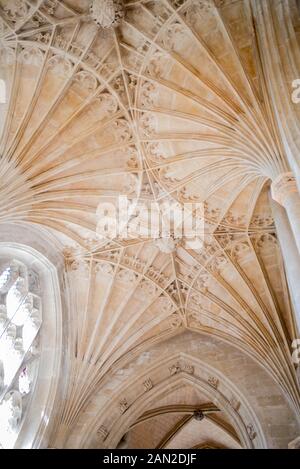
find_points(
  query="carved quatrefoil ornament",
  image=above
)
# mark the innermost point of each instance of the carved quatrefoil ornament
(107, 13)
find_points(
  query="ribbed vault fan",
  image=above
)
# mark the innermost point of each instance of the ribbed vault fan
(171, 104)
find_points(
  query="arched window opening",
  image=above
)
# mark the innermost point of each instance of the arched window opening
(20, 321)
(2, 91)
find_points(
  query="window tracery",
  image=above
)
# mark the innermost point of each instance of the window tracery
(20, 322)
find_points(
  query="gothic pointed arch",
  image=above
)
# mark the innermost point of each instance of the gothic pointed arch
(30, 341)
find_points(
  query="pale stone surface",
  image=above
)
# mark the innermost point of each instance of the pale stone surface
(162, 101)
(284, 191)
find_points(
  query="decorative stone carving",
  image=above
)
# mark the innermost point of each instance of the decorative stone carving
(148, 385)
(135, 262)
(15, 10)
(175, 320)
(132, 82)
(262, 221)
(38, 20)
(107, 69)
(198, 415)
(80, 264)
(155, 151)
(109, 106)
(105, 268)
(107, 13)
(123, 406)
(75, 49)
(175, 369)
(181, 367)
(218, 263)
(148, 124)
(184, 289)
(61, 42)
(131, 184)
(225, 240)
(251, 432)
(127, 276)
(234, 219)
(165, 304)
(122, 130)
(148, 94)
(133, 158)
(211, 212)
(50, 6)
(175, 33)
(172, 289)
(43, 37)
(34, 282)
(147, 287)
(265, 241)
(118, 85)
(111, 256)
(202, 282)
(240, 249)
(213, 382)
(86, 80)
(178, 3)
(194, 318)
(157, 68)
(158, 276)
(199, 100)
(197, 8)
(283, 186)
(60, 65)
(185, 195)
(188, 369)
(31, 56)
(103, 432)
(169, 175)
(235, 404)
(91, 59)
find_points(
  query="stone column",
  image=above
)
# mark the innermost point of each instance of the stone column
(284, 191)
(290, 254)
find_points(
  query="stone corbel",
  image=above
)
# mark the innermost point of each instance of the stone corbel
(282, 187)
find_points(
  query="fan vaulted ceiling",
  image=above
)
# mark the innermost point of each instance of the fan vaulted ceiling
(168, 104)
